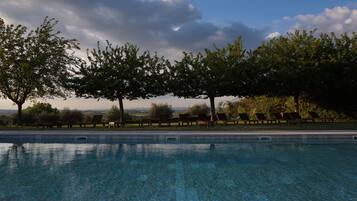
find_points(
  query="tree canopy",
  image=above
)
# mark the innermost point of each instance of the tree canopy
(208, 75)
(336, 83)
(320, 68)
(305, 65)
(291, 61)
(34, 63)
(121, 72)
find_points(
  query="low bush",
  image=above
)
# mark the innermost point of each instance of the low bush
(47, 118)
(5, 120)
(38, 113)
(198, 109)
(71, 116)
(113, 114)
(157, 111)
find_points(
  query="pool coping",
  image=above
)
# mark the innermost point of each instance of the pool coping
(195, 137)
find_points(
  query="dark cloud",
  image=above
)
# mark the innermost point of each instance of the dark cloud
(160, 25)
(251, 37)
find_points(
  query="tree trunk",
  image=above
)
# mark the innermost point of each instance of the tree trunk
(213, 108)
(19, 114)
(121, 107)
(297, 104)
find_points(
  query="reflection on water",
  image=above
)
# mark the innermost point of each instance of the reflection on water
(177, 172)
(58, 154)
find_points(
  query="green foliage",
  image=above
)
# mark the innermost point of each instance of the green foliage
(121, 72)
(47, 118)
(210, 75)
(71, 116)
(87, 117)
(320, 68)
(113, 114)
(38, 108)
(26, 119)
(158, 111)
(198, 109)
(5, 120)
(271, 105)
(207, 75)
(317, 70)
(336, 83)
(34, 63)
(39, 113)
(291, 61)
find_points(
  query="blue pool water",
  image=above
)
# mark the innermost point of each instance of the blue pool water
(119, 172)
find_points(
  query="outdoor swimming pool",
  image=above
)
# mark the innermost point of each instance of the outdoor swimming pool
(182, 172)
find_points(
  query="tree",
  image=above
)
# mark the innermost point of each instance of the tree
(289, 63)
(121, 72)
(37, 113)
(34, 63)
(336, 84)
(71, 116)
(208, 76)
(38, 108)
(113, 114)
(158, 111)
(198, 109)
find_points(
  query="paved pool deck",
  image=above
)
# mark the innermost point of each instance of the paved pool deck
(88, 136)
(175, 133)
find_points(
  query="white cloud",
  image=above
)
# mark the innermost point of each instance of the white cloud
(339, 19)
(273, 35)
(176, 28)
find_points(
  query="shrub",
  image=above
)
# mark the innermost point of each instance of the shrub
(113, 114)
(160, 110)
(38, 113)
(5, 120)
(198, 109)
(26, 119)
(87, 117)
(71, 116)
(38, 108)
(47, 118)
(271, 105)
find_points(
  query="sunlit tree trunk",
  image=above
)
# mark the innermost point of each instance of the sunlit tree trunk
(297, 104)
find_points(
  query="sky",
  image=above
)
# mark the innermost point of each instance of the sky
(170, 27)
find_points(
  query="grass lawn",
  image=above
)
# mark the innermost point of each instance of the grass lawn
(219, 127)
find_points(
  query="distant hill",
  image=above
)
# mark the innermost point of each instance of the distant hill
(131, 110)
(139, 109)
(7, 112)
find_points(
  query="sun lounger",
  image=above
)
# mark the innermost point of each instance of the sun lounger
(186, 119)
(223, 117)
(316, 118)
(263, 119)
(279, 117)
(204, 120)
(294, 117)
(245, 118)
(97, 119)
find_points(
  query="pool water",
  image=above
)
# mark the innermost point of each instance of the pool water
(146, 172)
